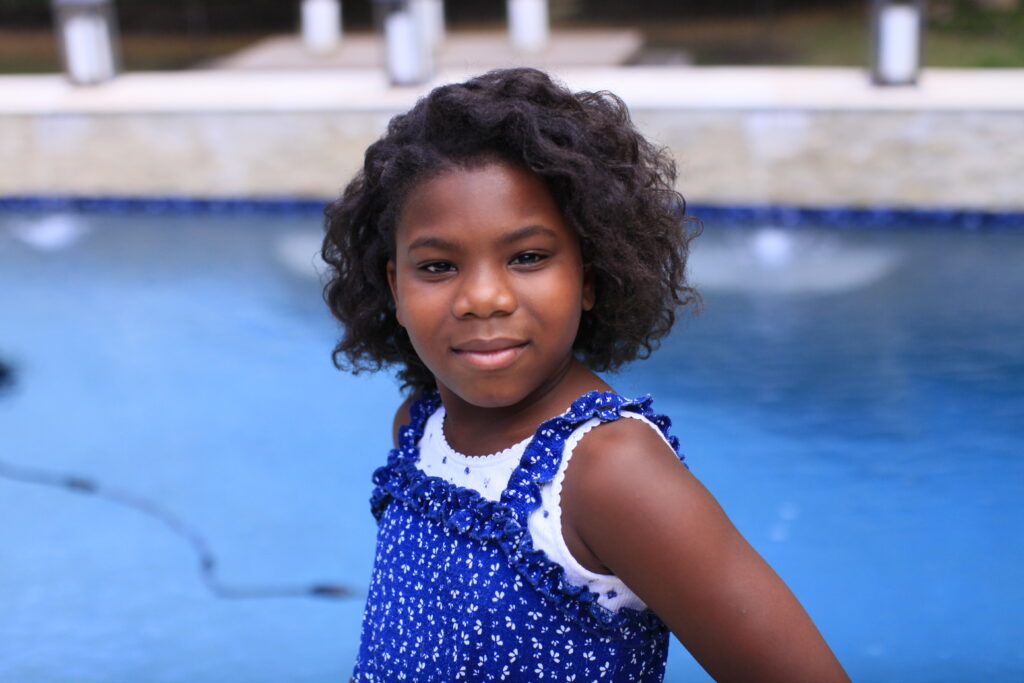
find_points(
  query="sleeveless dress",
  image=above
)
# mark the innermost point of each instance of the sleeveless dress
(458, 591)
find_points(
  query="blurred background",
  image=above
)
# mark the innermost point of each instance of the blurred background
(184, 476)
(187, 33)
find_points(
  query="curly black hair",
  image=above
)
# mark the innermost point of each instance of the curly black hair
(615, 189)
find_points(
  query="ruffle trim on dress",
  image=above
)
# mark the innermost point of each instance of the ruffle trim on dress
(543, 454)
(467, 513)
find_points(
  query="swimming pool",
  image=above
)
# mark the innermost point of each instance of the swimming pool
(854, 398)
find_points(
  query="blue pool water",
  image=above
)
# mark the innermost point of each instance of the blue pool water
(855, 399)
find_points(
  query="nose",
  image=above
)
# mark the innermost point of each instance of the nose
(484, 292)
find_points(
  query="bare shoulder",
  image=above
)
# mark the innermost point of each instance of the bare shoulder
(641, 514)
(625, 457)
(625, 439)
(402, 417)
(625, 486)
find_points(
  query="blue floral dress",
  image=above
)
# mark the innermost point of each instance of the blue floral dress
(458, 592)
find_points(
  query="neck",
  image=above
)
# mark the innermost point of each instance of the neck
(476, 430)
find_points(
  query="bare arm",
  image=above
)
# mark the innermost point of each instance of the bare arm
(402, 418)
(641, 513)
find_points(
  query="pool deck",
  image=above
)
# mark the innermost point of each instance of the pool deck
(476, 50)
(679, 88)
(742, 135)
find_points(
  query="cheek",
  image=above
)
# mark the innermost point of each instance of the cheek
(561, 309)
(418, 312)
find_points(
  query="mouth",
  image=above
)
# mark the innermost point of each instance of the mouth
(490, 354)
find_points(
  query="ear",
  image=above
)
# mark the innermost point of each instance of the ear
(589, 288)
(393, 286)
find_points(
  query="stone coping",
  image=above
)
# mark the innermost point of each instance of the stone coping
(657, 88)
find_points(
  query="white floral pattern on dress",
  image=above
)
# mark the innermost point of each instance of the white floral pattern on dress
(458, 592)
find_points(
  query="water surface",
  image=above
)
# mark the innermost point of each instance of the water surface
(855, 399)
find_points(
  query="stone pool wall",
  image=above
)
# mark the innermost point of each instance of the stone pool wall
(799, 137)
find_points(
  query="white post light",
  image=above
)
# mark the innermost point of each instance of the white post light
(429, 18)
(87, 34)
(321, 25)
(437, 25)
(528, 24)
(409, 57)
(896, 41)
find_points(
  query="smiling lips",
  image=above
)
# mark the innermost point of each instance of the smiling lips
(490, 354)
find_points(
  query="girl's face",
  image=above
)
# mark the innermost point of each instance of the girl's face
(489, 283)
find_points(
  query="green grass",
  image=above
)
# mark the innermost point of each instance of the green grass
(964, 35)
(37, 51)
(839, 37)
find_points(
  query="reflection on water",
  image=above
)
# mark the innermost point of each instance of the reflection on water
(299, 252)
(855, 399)
(49, 233)
(786, 261)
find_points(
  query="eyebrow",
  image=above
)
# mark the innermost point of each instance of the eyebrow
(507, 238)
(528, 231)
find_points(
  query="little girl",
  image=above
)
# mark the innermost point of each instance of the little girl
(505, 240)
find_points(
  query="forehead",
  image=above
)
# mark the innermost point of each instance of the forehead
(479, 203)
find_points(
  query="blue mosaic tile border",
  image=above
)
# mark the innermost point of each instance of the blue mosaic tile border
(840, 217)
(163, 205)
(711, 214)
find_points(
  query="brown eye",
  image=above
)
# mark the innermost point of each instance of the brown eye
(529, 258)
(437, 267)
